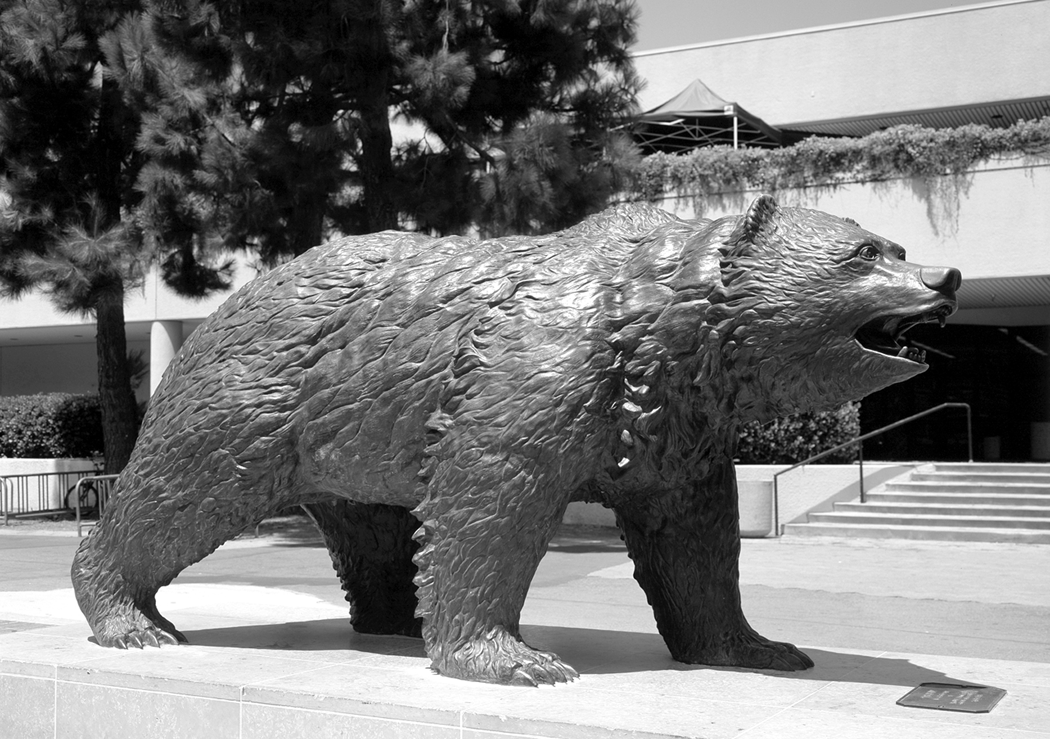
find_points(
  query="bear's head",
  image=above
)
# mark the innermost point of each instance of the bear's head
(815, 309)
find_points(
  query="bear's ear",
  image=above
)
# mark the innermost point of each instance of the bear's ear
(759, 217)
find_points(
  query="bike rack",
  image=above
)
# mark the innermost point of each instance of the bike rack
(17, 496)
(101, 490)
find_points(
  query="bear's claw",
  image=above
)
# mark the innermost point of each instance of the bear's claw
(147, 636)
(549, 672)
(506, 660)
(151, 637)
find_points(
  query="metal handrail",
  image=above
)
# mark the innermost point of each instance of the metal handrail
(865, 437)
(102, 490)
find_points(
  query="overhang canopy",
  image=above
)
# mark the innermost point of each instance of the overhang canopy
(698, 117)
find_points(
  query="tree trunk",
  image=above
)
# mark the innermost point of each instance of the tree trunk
(377, 169)
(110, 152)
(309, 221)
(119, 410)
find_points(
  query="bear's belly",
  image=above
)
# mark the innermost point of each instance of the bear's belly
(369, 447)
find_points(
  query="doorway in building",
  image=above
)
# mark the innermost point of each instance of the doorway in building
(1003, 372)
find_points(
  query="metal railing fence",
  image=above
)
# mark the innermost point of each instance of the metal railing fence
(859, 441)
(39, 493)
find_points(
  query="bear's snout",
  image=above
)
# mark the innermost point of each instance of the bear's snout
(945, 280)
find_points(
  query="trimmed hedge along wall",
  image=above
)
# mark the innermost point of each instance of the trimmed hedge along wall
(61, 425)
(52, 425)
(792, 439)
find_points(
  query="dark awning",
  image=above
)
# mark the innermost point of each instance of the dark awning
(698, 117)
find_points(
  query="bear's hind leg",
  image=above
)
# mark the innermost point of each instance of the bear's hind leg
(484, 532)
(371, 547)
(686, 548)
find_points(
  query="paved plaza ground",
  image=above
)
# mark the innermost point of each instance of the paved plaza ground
(877, 616)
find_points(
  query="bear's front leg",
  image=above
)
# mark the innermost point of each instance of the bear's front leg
(487, 521)
(686, 549)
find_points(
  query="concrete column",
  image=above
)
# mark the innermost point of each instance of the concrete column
(165, 338)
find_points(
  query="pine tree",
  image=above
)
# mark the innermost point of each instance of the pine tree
(68, 133)
(64, 141)
(504, 112)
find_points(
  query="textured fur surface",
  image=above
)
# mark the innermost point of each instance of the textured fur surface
(436, 404)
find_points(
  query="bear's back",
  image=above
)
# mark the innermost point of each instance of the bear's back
(346, 347)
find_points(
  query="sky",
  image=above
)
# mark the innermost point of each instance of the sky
(682, 22)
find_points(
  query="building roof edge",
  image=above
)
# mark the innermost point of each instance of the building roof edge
(833, 27)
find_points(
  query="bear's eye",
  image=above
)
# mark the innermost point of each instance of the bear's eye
(869, 252)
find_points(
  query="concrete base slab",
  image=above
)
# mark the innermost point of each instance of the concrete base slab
(267, 662)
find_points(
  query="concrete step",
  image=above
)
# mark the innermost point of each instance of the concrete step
(1036, 467)
(946, 509)
(990, 489)
(926, 519)
(926, 533)
(947, 501)
(982, 477)
(949, 497)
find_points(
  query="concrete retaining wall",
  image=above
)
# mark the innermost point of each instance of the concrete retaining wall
(808, 489)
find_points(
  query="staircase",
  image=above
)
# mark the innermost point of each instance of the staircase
(958, 502)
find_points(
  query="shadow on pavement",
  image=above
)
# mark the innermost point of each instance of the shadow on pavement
(591, 651)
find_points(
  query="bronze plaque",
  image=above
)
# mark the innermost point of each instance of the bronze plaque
(952, 697)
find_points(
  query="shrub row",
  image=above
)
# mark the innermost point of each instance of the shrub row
(795, 438)
(51, 425)
(63, 425)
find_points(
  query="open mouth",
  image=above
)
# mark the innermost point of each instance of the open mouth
(885, 334)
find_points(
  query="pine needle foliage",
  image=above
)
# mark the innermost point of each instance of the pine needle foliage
(67, 148)
(360, 115)
(73, 82)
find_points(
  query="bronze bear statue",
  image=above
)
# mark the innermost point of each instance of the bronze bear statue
(435, 404)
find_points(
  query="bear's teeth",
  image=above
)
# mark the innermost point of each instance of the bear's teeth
(914, 355)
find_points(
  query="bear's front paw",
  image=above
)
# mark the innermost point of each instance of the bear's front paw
(151, 637)
(501, 658)
(763, 654)
(750, 650)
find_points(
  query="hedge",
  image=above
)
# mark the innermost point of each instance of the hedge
(50, 425)
(792, 439)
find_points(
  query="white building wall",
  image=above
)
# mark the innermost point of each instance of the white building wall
(944, 59)
(56, 368)
(150, 302)
(43, 350)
